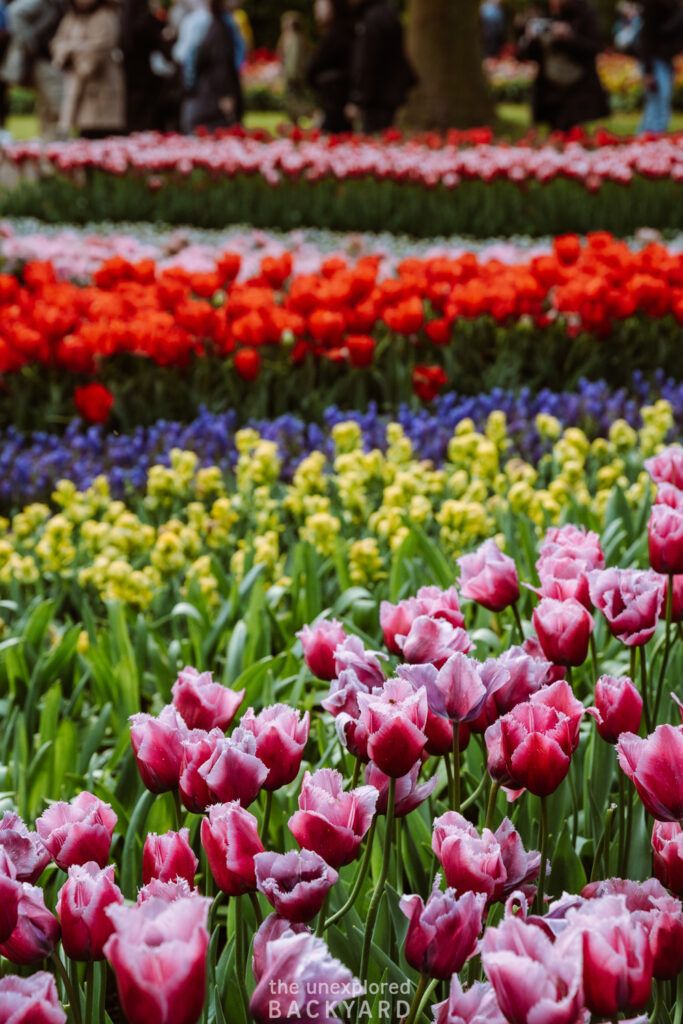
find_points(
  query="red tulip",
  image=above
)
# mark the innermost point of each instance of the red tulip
(93, 402)
(361, 349)
(296, 884)
(32, 1000)
(319, 643)
(281, 734)
(489, 577)
(158, 747)
(231, 840)
(81, 907)
(655, 767)
(329, 821)
(428, 381)
(168, 857)
(158, 952)
(78, 832)
(630, 600)
(667, 847)
(202, 703)
(247, 363)
(10, 895)
(442, 934)
(37, 930)
(665, 539)
(563, 577)
(395, 718)
(25, 849)
(618, 707)
(564, 629)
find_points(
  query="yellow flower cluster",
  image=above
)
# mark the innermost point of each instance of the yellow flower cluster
(194, 527)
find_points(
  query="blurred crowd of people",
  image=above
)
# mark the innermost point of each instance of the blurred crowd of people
(563, 37)
(100, 67)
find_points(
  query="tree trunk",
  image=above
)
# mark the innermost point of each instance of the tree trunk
(445, 49)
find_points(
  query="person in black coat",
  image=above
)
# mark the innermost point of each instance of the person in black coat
(151, 95)
(329, 70)
(661, 39)
(567, 91)
(381, 76)
(216, 100)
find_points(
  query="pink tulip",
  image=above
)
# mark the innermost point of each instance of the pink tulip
(489, 577)
(198, 748)
(563, 577)
(158, 952)
(202, 703)
(478, 1005)
(560, 697)
(618, 707)
(169, 892)
(655, 767)
(564, 629)
(460, 688)
(32, 1000)
(665, 539)
(319, 643)
(396, 619)
(295, 884)
(351, 654)
(231, 840)
(574, 542)
(630, 600)
(274, 927)
(300, 981)
(522, 867)
(281, 734)
(667, 467)
(471, 862)
(667, 847)
(81, 906)
(535, 980)
(433, 641)
(409, 794)
(524, 676)
(536, 746)
(532, 647)
(442, 934)
(233, 771)
(26, 850)
(342, 704)
(37, 930)
(10, 895)
(169, 857)
(329, 821)
(78, 832)
(395, 718)
(158, 747)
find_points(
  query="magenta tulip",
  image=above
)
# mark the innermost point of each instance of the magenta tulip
(295, 884)
(667, 467)
(300, 981)
(158, 952)
(158, 747)
(630, 600)
(32, 1000)
(81, 906)
(489, 577)
(202, 703)
(618, 707)
(10, 895)
(537, 742)
(667, 847)
(168, 857)
(281, 733)
(535, 980)
(37, 930)
(442, 933)
(524, 675)
(522, 867)
(395, 718)
(409, 794)
(532, 647)
(564, 629)
(433, 641)
(329, 821)
(471, 862)
(665, 539)
(231, 840)
(655, 767)
(560, 697)
(78, 832)
(319, 643)
(25, 849)
(478, 1005)
(198, 748)
(233, 771)
(351, 654)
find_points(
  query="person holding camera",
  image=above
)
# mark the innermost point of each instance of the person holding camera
(567, 90)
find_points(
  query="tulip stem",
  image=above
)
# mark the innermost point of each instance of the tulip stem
(645, 688)
(654, 1016)
(667, 645)
(178, 809)
(89, 991)
(491, 807)
(518, 620)
(356, 773)
(456, 767)
(417, 999)
(358, 880)
(621, 867)
(257, 909)
(266, 816)
(379, 889)
(475, 793)
(540, 896)
(320, 928)
(594, 657)
(449, 777)
(74, 1004)
(239, 955)
(678, 1016)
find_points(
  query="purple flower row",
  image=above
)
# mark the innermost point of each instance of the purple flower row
(31, 464)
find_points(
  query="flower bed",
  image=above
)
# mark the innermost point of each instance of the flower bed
(428, 186)
(163, 343)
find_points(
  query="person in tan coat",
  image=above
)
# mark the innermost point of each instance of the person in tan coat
(86, 48)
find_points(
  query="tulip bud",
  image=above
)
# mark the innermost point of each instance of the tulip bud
(395, 718)
(81, 906)
(489, 577)
(168, 857)
(158, 747)
(25, 849)
(564, 629)
(78, 832)
(667, 846)
(665, 539)
(618, 707)
(230, 838)
(653, 764)
(202, 703)
(319, 643)
(10, 894)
